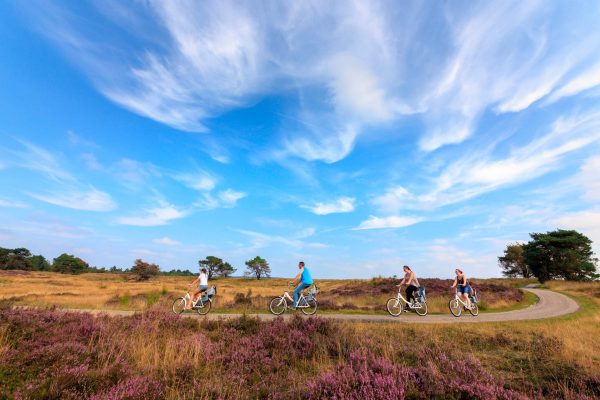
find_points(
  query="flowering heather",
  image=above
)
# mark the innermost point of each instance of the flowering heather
(48, 354)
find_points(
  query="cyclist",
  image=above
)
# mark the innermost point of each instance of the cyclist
(202, 282)
(303, 280)
(412, 284)
(462, 286)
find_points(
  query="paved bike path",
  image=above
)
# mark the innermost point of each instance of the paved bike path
(550, 304)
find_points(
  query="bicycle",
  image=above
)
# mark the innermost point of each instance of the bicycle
(395, 305)
(456, 306)
(202, 305)
(307, 304)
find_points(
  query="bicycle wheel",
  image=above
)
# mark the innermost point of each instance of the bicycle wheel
(205, 307)
(455, 307)
(278, 305)
(422, 309)
(311, 309)
(394, 307)
(179, 305)
(474, 309)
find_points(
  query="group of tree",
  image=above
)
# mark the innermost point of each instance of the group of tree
(22, 259)
(560, 254)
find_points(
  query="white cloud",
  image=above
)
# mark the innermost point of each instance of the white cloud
(133, 173)
(11, 203)
(201, 181)
(589, 177)
(230, 197)
(92, 162)
(585, 80)
(262, 240)
(41, 160)
(392, 221)
(341, 205)
(156, 216)
(167, 241)
(586, 222)
(89, 200)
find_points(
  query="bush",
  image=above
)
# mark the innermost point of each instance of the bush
(144, 270)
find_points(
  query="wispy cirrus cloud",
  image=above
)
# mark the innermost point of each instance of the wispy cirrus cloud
(11, 203)
(155, 216)
(393, 221)
(341, 205)
(88, 200)
(166, 241)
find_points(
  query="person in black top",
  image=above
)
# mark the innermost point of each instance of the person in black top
(462, 287)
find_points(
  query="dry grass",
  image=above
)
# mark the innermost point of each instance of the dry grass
(121, 292)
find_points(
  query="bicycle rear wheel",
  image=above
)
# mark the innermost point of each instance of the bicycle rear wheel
(474, 309)
(422, 309)
(277, 305)
(312, 307)
(394, 307)
(179, 305)
(455, 307)
(205, 308)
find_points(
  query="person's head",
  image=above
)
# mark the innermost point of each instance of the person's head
(458, 272)
(301, 264)
(203, 270)
(407, 268)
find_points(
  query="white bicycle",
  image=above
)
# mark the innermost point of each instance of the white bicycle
(201, 305)
(308, 303)
(457, 305)
(395, 305)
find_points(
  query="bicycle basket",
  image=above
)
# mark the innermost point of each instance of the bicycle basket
(313, 290)
(211, 292)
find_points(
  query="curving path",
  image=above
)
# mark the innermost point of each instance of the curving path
(550, 304)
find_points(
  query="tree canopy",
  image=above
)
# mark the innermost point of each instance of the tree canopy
(513, 263)
(560, 254)
(144, 270)
(216, 267)
(258, 267)
(69, 264)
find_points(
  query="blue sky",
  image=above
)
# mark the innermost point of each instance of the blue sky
(356, 136)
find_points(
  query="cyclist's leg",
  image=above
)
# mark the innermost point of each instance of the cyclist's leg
(297, 292)
(193, 298)
(410, 293)
(468, 296)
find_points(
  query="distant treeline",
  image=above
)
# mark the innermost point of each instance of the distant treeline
(22, 259)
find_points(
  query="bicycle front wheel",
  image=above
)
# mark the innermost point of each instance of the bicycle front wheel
(474, 309)
(179, 305)
(455, 307)
(311, 307)
(205, 307)
(421, 309)
(394, 307)
(278, 305)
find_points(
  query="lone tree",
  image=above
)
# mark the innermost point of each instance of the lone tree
(39, 263)
(512, 262)
(562, 254)
(69, 264)
(216, 267)
(258, 267)
(144, 270)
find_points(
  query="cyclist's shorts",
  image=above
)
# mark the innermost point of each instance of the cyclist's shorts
(464, 289)
(203, 288)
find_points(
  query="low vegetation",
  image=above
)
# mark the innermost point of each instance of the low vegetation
(50, 354)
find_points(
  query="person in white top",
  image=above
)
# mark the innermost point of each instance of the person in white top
(202, 282)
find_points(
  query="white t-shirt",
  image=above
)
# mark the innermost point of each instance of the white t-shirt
(203, 279)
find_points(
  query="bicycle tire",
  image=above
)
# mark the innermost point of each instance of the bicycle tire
(422, 311)
(474, 309)
(394, 307)
(179, 305)
(311, 308)
(455, 307)
(277, 305)
(205, 307)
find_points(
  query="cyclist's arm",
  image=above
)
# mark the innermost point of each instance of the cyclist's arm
(297, 278)
(455, 282)
(196, 281)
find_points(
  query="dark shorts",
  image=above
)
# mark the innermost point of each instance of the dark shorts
(202, 288)
(464, 289)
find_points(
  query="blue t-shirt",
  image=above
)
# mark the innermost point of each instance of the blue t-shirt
(306, 278)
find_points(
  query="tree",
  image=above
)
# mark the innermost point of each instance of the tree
(39, 263)
(512, 262)
(144, 270)
(562, 254)
(216, 267)
(15, 259)
(69, 264)
(258, 267)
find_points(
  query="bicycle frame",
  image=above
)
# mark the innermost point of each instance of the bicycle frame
(459, 299)
(302, 303)
(400, 297)
(197, 303)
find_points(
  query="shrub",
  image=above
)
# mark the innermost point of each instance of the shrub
(144, 270)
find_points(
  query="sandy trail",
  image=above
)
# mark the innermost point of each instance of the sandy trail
(549, 305)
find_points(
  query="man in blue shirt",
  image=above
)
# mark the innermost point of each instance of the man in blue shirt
(303, 280)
